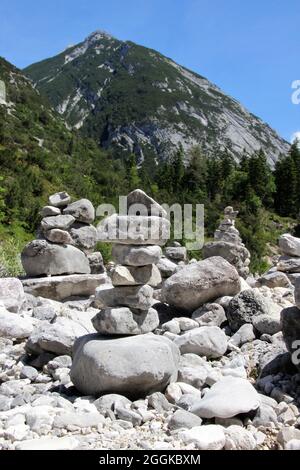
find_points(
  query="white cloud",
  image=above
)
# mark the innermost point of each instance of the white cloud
(296, 136)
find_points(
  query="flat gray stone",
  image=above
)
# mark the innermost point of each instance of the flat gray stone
(134, 230)
(122, 321)
(63, 287)
(133, 255)
(62, 222)
(139, 297)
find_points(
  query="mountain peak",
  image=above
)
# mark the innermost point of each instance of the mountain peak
(136, 100)
(97, 36)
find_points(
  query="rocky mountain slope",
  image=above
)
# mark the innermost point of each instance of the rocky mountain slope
(38, 153)
(136, 99)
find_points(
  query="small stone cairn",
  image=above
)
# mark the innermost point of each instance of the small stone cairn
(228, 244)
(126, 305)
(66, 240)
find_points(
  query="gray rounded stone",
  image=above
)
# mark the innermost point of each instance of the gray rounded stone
(104, 365)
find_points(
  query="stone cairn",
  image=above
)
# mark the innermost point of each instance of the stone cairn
(126, 357)
(174, 255)
(228, 244)
(126, 305)
(64, 246)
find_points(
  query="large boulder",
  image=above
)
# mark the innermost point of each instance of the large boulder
(201, 282)
(140, 297)
(136, 275)
(290, 322)
(42, 258)
(235, 254)
(209, 341)
(13, 325)
(228, 397)
(289, 245)
(134, 230)
(82, 210)
(132, 255)
(12, 294)
(244, 307)
(133, 366)
(63, 287)
(151, 206)
(122, 321)
(57, 338)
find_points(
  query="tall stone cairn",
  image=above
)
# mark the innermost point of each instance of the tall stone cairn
(126, 305)
(65, 241)
(228, 244)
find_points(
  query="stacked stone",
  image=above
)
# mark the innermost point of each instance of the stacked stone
(126, 305)
(66, 240)
(289, 262)
(174, 255)
(228, 244)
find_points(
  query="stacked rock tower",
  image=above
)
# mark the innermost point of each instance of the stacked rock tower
(126, 305)
(228, 244)
(125, 356)
(66, 240)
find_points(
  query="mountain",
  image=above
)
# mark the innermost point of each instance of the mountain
(135, 99)
(40, 155)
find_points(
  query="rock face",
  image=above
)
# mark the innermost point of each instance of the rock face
(229, 397)
(102, 365)
(65, 244)
(228, 244)
(201, 282)
(42, 258)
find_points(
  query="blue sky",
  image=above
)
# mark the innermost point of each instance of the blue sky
(248, 48)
